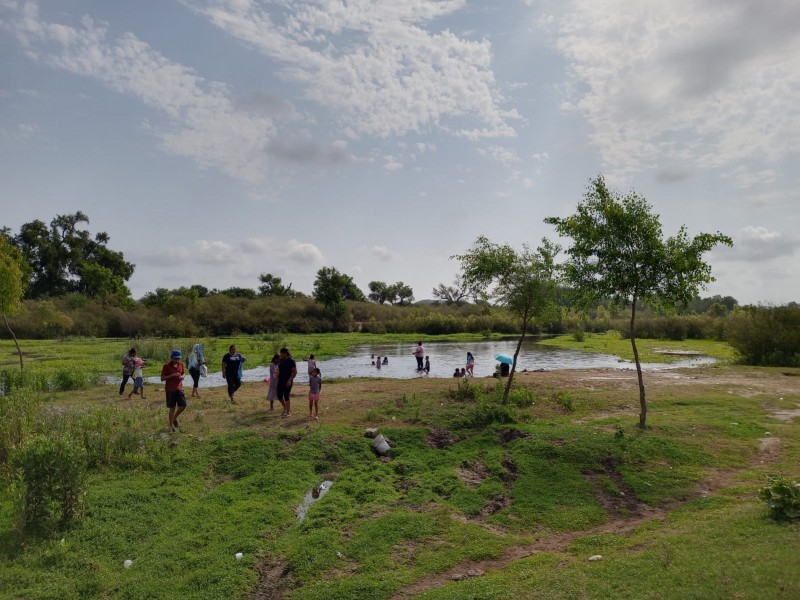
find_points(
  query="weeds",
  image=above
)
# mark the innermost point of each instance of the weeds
(782, 496)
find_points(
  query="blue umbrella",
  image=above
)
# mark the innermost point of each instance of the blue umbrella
(504, 358)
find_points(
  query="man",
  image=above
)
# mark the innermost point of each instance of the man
(287, 370)
(232, 364)
(172, 376)
(418, 353)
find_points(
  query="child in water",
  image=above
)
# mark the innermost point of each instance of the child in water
(314, 391)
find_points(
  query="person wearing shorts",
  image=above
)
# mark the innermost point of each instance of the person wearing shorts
(287, 370)
(172, 376)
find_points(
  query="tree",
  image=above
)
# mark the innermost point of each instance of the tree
(457, 293)
(65, 259)
(273, 286)
(400, 293)
(12, 285)
(618, 251)
(332, 288)
(378, 292)
(523, 281)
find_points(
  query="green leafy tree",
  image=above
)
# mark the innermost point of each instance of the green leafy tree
(400, 293)
(378, 292)
(64, 258)
(523, 281)
(618, 251)
(273, 286)
(332, 288)
(457, 293)
(12, 285)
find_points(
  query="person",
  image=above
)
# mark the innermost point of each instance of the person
(128, 365)
(138, 380)
(232, 365)
(456, 373)
(272, 392)
(385, 360)
(172, 376)
(312, 364)
(463, 372)
(378, 362)
(314, 390)
(418, 353)
(427, 367)
(196, 361)
(470, 364)
(287, 370)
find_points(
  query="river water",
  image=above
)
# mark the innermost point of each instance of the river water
(445, 357)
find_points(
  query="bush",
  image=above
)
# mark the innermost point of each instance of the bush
(49, 484)
(487, 412)
(18, 413)
(766, 336)
(522, 397)
(782, 497)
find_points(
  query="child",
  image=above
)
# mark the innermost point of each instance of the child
(138, 380)
(427, 367)
(312, 364)
(314, 390)
(272, 392)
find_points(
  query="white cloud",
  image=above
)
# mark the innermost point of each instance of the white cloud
(504, 156)
(373, 64)
(382, 252)
(391, 163)
(707, 83)
(744, 177)
(754, 243)
(204, 123)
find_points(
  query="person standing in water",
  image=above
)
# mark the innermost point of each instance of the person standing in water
(419, 354)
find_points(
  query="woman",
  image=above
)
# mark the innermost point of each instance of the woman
(195, 361)
(470, 364)
(272, 392)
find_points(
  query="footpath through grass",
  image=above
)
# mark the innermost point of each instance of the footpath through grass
(672, 509)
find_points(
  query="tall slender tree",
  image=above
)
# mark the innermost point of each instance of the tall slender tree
(618, 252)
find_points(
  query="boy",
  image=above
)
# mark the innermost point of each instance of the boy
(172, 376)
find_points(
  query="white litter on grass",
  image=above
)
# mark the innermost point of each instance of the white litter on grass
(596, 557)
(239, 556)
(127, 564)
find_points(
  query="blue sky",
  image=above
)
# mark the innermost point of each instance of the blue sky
(214, 140)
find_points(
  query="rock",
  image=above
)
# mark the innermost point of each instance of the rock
(474, 573)
(457, 577)
(371, 432)
(596, 557)
(339, 555)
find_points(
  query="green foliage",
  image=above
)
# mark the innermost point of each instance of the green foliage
(782, 497)
(50, 482)
(19, 412)
(12, 285)
(332, 288)
(766, 336)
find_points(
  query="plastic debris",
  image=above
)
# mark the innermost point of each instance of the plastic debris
(239, 556)
(380, 445)
(596, 557)
(127, 564)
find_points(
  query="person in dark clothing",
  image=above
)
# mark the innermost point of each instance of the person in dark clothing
(287, 370)
(232, 370)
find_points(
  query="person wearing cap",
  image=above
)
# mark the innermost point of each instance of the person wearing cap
(232, 364)
(287, 370)
(172, 376)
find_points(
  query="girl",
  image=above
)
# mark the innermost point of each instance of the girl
(138, 380)
(195, 362)
(312, 364)
(470, 364)
(272, 392)
(314, 390)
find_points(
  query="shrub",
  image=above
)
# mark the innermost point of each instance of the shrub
(782, 497)
(18, 413)
(766, 336)
(487, 412)
(522, 397)
(49, 482)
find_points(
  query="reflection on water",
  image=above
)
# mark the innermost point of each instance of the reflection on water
(312, 496)
(447, 356)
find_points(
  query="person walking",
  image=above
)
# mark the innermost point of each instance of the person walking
(128, 366)
(287, 371)
(172, 376)
(196, 361)
(272, 392)
(138, 379)
(470, 364)
(419, 354)
(314, 391)
(232, 364)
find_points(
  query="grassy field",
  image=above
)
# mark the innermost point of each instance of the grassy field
(475, 500)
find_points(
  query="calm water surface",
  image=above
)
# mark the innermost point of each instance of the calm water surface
(445, 357)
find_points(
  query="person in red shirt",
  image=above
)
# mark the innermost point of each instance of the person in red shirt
(172, 376)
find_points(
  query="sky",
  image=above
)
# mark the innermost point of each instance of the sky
(215, 140)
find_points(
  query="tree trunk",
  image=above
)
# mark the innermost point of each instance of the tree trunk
(516, 353)
(11, 331)
(642, 402)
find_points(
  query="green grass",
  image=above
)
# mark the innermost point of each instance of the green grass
(181, 506)
(612, 342)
